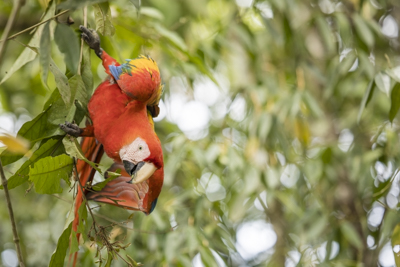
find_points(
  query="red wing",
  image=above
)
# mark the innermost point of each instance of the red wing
(119, 192)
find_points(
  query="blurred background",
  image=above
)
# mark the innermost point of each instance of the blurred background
(278, 124)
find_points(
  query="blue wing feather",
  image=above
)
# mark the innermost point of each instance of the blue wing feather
(116, 71)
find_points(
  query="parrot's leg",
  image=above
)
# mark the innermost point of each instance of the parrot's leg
(74, 130)
(92, 39)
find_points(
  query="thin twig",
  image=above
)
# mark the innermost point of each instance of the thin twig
(122, 224)
(10, 24)
(82, 42)
(4, 182)
(34, 26)
(63, 199)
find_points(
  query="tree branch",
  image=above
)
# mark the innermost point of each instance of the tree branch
(4, 182)
(34, 26)
(82, 42)
(10, 23)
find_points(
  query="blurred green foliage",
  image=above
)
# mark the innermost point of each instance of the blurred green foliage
(303, 134)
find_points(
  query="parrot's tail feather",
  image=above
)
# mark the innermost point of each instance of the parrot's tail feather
(93, 151)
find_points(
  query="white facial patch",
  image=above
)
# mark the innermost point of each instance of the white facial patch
(135, 152)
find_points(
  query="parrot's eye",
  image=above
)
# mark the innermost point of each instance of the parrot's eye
(140, 147)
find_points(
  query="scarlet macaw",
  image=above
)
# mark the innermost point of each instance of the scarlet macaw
(121, 110)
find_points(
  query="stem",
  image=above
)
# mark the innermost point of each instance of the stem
(132, 229)
(82, 42)
(34, 26)
(10, 24)
(11, 213)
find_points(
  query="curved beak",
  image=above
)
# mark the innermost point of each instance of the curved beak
(139, 172)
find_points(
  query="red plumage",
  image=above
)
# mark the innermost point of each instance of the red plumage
(121, 111)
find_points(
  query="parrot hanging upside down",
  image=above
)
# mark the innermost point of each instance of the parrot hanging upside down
(121, 110)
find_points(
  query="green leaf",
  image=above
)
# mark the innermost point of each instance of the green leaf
(363, 30)
(347, 63)
(366, 65)
(394, 73)
(351, 234)
(26, 56)
(366, 98)
(78, 90)
(382, 188)
(207, 257)
(45, 52)
(75, 4)
(171, 36)
(47, 173)
(86, 70)
(396, 242)
(382, 81)
(136, 3)
(59, 113)
(152, 13)
(61, 82)
(312, 104)
(52, 147)
(343, 23)
(319, 225)
(326, 34)
(111, 176)
(30, 52)
(68, 43)
(74, 247)
(191, 239)
(395, 102)
(45, 124)
(74, 150)
(58, 257)
(173, 242)
(109, 259)
(31, 131)
(132, 261)
(82, 212)
(8, 157)
(102, 16)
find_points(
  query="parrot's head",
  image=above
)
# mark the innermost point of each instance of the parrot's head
(139, 161)
(139, 79)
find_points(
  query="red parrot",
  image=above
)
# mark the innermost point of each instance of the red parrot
(121, 110)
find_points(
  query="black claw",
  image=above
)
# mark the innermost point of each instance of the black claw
(71, 129)
(92, 39)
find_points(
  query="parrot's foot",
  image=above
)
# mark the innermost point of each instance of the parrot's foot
(92, 39)
(71, 129)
